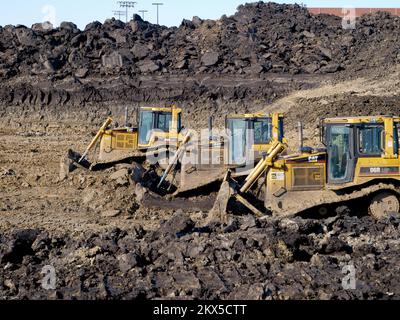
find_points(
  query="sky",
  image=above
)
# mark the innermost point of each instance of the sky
(82, 12)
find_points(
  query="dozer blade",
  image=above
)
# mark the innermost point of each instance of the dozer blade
(70, 163)
(193, 179)
(113, 157)
(111, 161)
(154, 201)
(219, 210)
(229, 189)
(75, 158)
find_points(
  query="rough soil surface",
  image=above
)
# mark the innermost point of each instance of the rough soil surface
(56, 91)
(247, 259)
(118, 62)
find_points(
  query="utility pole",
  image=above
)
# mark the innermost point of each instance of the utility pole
(158, 4)
(127, 5)
(119, 14)
(143, 12)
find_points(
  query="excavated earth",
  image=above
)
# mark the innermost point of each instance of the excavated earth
(57, 87)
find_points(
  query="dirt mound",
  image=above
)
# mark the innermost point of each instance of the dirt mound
(108, 61)
(58, 86)
(342, 106)
(260, 37)
(247, 259)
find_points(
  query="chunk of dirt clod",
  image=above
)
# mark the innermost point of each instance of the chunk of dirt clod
(179, 225)
(121, 177)
(111, 213)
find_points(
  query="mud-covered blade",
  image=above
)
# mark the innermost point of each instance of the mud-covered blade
(192, 180)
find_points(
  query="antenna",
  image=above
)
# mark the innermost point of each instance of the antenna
(158, 4)
(127, 5)
(143, 12)
(119, 14)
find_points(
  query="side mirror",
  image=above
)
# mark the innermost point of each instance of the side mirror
(138, 117)
(321, 128)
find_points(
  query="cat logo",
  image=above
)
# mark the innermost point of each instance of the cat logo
(313, 159)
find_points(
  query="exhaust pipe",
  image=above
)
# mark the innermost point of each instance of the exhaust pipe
(126, 117)
(301, 136)
(210, 128)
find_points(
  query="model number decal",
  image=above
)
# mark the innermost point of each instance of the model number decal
(277, 176)
(379, 170)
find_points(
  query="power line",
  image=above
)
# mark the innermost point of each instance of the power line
(143, 12)
(119, 14)
(158, 4)
(127, 5)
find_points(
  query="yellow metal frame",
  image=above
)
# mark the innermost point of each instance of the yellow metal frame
(109, 138)
(275, 117)
(388, 160)
(172, 138)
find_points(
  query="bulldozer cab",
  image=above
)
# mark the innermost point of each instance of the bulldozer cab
(159, 124)
(361, 160)
(250, 135)
(360, 148)
(157, 127)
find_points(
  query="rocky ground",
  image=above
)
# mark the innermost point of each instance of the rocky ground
(246, 259)
(121, 63)
(59, 85)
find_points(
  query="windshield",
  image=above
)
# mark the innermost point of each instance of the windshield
(164, 122)
(262, 131)
(370, 140)
(238, 130)
(146, 125)
(340, 152)
(244, 134)
(281, 130)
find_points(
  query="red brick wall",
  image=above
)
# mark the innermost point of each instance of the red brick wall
(359, 11)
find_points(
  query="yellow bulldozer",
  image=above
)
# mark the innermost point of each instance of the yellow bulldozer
(200, 162)
(360, 164)
(157, 131)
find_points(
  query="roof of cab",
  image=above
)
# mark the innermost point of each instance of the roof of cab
(254, 115)
(161, 109)
(365, 119)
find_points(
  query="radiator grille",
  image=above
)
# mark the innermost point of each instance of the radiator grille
(308, 178)
(125, 141)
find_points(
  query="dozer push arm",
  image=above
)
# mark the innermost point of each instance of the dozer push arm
(96, 138)
(175, 159)
(263, 166)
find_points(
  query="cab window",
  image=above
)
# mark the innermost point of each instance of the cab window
(164, 122)
(281, 130)
(339, 152)
(262, 131)
(179, 122)
(370, 140)
(146, 125)
(237, 146)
